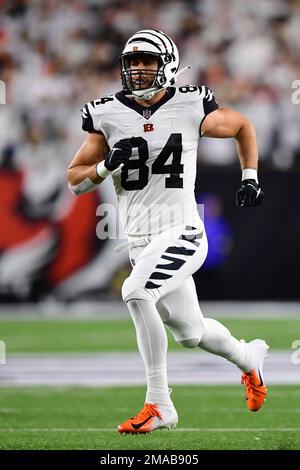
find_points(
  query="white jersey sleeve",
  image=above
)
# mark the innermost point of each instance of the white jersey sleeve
(200, 100)
(208, 102)
(94, 112)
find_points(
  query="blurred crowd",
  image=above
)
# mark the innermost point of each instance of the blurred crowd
(55, 55)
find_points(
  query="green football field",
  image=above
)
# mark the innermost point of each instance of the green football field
(210, 417)
(119, 335)
(86, 418)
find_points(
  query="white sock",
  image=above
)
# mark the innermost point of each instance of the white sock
(152, 343)
(218, 340)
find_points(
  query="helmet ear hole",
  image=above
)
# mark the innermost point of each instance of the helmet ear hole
(173, 70)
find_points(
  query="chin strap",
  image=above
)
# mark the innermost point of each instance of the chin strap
(145, 94)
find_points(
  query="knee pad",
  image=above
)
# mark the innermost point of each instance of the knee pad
(189, 343)
(133, 289)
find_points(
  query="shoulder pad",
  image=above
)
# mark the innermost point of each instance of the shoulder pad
(199, 93)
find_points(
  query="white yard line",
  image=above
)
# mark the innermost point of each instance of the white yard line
(83, 430)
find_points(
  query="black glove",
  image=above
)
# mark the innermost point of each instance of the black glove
(120, 153)
(249, 194)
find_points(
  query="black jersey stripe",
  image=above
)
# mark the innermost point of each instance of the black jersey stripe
(180, 250)
(151, 285)
(158, 275)
(87, 120)
(191, 236)
(175, 264)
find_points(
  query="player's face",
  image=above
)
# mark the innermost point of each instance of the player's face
(144, 68)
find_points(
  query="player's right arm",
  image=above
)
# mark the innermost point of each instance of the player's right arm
(92, 164)
(94, 161)
(82, 174)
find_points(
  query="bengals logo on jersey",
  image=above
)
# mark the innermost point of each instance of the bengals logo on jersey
(148, 127)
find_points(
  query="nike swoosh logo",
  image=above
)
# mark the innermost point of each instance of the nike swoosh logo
(261, 380)
(138, 426)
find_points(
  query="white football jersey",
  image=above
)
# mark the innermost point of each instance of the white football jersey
(155, 190)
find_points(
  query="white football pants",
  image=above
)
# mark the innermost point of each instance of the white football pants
(160, 290)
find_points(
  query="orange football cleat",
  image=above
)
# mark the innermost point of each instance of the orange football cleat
(149, 419)
(255, 390)
(253, 380)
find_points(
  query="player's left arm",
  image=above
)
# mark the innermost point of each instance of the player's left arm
(226, 123)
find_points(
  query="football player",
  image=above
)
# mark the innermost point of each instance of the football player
(146, 138)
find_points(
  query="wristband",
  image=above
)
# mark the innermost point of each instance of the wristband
(249, 174)
(85, 186)
(101, 170)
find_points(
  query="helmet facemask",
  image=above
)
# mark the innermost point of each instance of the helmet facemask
(143, 83)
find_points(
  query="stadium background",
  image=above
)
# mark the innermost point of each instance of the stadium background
(55, 56)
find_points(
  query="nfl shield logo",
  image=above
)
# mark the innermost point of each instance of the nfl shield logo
(147, 113)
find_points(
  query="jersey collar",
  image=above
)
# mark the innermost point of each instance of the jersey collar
(143, 110)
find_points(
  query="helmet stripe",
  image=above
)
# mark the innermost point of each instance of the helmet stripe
(151, 32)
(167, 37)
(140, 39)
